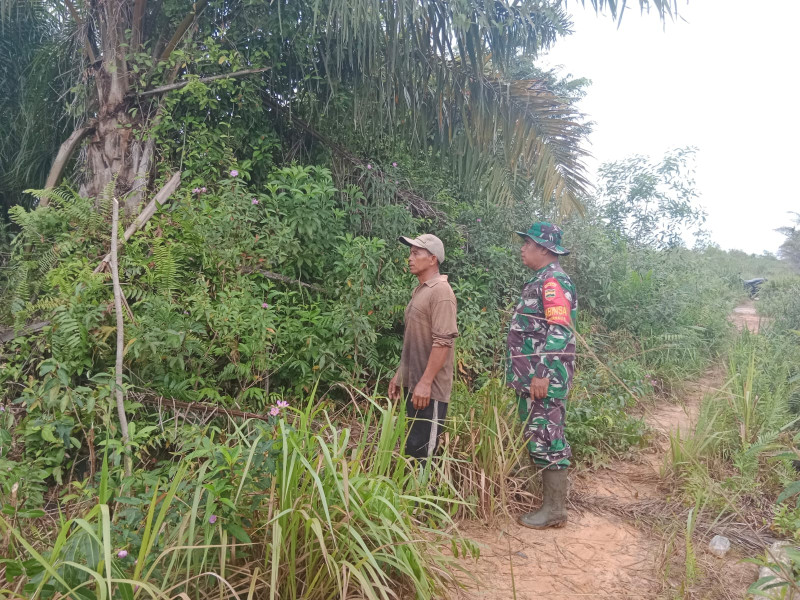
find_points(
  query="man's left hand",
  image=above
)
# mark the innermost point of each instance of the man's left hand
(422, 395)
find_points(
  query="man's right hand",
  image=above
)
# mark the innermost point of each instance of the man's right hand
(394, 389)
(539, 387)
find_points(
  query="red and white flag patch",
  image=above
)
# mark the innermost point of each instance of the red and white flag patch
(556, 306)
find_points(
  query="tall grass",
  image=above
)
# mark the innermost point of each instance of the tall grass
(739, 428)
(483, 445)
(759, 398)
(336, 521)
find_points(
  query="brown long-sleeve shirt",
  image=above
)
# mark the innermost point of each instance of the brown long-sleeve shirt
(430, 320)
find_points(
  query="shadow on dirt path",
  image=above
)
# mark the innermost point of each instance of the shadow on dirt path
(610, 547)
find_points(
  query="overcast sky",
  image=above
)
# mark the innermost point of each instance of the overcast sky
(723, 78)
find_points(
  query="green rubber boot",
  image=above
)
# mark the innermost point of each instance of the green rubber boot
(553, 512)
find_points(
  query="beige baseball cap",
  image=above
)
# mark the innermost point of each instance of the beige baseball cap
(427, 241)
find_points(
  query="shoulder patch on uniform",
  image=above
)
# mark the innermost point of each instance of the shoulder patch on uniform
(556, 305)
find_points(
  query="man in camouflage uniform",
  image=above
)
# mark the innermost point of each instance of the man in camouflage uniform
(540, 364)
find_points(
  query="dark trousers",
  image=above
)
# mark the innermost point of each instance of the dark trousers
(424, 427)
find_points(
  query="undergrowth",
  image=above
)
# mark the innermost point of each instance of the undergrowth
(247, 294)
(740, 459)
(293, 508)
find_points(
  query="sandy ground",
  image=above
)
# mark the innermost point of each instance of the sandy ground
(745, 317)
(599, 555)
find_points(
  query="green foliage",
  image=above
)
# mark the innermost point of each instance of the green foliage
(790, 248)
(273, 281)
(672, 304)
(780, 302)
(732, 455)
(783, 582)
(652, 204)
(250, 287)
(291, 511)
(32, 121)
(787, 521)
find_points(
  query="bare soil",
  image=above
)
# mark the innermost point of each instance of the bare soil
(599, 554)
(745, 316)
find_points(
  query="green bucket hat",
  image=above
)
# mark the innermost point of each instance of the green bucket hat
(547, 235)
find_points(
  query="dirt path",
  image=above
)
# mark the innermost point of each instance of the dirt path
(599, 554)
(745, 316)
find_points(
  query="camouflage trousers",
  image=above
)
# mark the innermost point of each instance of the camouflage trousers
(544, 431)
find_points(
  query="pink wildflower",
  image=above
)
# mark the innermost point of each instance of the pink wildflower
(196, 191)
(275, 411)
(282, 404)
(478, 220)
(234, 173)
(264, 305)
(203, 189)
(255, 200)
(122, 554)
(212, 519)
(394, 164)
(369, 167)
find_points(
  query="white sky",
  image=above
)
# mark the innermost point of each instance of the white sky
(724, 78)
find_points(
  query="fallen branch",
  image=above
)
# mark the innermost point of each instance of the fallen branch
(6, 335)
(206, 410)
(161, 197)
(283, 278)
(181, 84)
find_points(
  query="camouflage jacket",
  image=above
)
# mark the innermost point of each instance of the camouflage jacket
(541, 340)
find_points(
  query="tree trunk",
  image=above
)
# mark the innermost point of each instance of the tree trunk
(116, 149)
(119, 153)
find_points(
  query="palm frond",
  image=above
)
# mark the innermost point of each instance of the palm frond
(666, 9)
(443, 69)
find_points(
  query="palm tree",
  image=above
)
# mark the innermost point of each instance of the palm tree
(32, 122)
(434, 71)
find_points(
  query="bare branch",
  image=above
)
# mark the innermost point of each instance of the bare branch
(204, 409)
(65, 152)
(283, 278)
(78, 21)
(123, 419)
(161, 197)
(176, 86)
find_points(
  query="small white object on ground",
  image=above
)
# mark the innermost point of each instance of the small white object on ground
(777, 553)
(719, 546)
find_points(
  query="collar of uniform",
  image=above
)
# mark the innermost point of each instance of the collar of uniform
(434, 280)
(539, 272)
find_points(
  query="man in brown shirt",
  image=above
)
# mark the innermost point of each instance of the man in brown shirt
(426, 364)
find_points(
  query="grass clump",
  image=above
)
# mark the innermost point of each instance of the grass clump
(298, 510)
